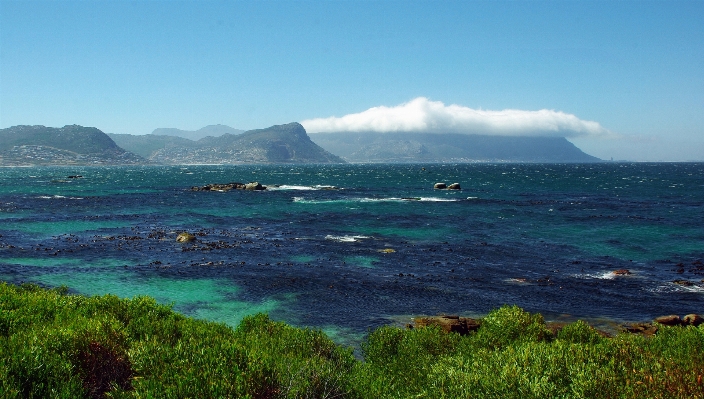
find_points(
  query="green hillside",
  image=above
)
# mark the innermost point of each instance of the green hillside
(71, 144)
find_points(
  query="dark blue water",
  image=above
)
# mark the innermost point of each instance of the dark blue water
(382, 246)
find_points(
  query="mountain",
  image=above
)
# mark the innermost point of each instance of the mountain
(69, 145)
(210, 130)
(277, 144)
(448, 147)
(146, 144)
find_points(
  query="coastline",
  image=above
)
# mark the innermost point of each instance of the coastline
(77, 346)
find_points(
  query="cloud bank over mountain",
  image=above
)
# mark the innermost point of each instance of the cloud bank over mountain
(424, 115)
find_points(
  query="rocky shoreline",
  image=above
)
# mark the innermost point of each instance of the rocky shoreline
(466, 325)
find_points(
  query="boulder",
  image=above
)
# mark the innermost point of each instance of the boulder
(219, 187)
(440, 186)
(254, 186)
(454, 186)
(670, 320)
(460, 325)
(647, 329)
(185, 237)
(692, 320)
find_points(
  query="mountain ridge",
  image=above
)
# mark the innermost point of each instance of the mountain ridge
(72, 145)
(409, 147)
(288, 143)
(195, 135)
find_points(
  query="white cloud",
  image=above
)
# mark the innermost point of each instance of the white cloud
(423, 115)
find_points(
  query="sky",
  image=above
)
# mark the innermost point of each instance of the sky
(619, 79)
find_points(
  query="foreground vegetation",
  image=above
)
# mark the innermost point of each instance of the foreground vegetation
(57, 345)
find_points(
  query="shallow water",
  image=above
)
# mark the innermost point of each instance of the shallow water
(351, 247)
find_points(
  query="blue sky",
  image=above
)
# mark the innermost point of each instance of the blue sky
(634, 68)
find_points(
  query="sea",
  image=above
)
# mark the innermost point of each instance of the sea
(348, 248)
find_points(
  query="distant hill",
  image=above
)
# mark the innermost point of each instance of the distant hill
(277, 144)
(146, 144)
(69, 145)
(448, 147)
(210, 130)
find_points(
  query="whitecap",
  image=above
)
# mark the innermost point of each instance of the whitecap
(672, 287)
(345, 238)
(598, 276)
(291, 187)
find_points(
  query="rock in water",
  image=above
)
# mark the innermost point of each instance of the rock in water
(254, 186)
(454, 186)
(440, 186)
(460, 325)
(185, 237)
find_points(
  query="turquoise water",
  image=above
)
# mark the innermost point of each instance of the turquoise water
(379, 245)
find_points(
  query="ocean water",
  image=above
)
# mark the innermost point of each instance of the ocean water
(347, 248)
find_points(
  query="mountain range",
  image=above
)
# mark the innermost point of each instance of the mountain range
(448, 147)
(289, 143)
(70, 145)
(277, 144)
(195, 135)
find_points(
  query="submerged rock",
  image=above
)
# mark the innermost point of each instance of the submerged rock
(622, 272)
(460, 325)
(646, 329)
(185, 237)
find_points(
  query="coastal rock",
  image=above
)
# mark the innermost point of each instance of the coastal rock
(684, 283)
(692, 320)
(460, 325)
(440, 186)
(454, 186)
(219, 187)
(646, 329)
(254, 186)
(670, 320)
(622, 272)
(185, 237)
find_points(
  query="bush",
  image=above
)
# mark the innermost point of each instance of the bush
(579, 333)
(58, 345)
(510, 325)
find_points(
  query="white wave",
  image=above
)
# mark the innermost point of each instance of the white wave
(420, 199)
(672, 287)
(517, 281)
(345, 238)
(374, 200)
(599, 276)
(291, 187)
(302, 188)
(58, 197)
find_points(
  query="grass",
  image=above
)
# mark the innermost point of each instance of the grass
(56, 345)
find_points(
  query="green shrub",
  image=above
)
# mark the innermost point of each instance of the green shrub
(579, 333)
(67, 346)
(508, 325)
